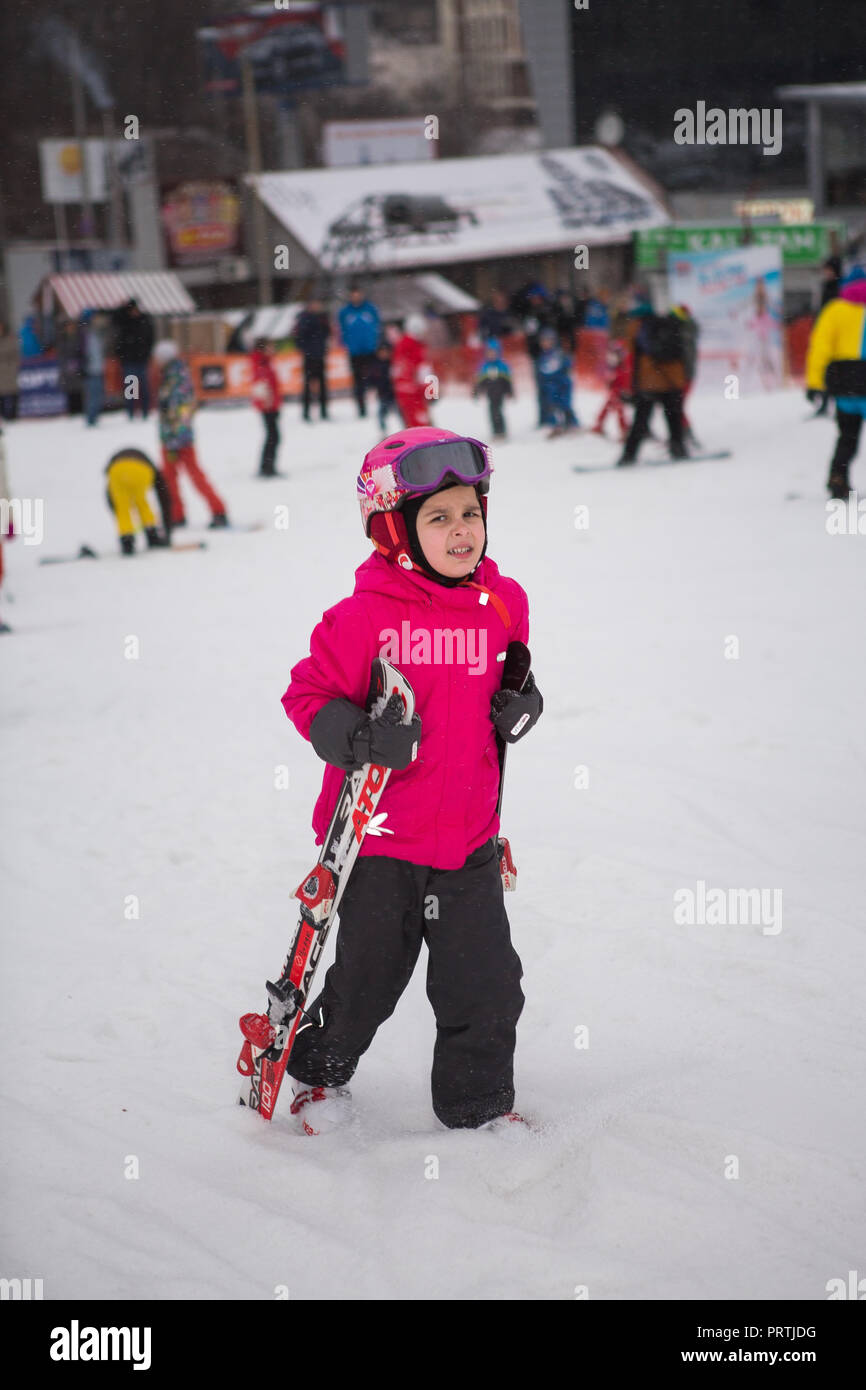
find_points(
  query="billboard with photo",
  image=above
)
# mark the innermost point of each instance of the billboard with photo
(290, 49)
(445, 210)
(736, 297)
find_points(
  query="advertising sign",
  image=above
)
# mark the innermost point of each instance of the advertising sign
(289, 49)
(39, 389)
(736, 297)
(202, 222)
(229, 376)
(61, 163)
(376, 142)
(801, 244)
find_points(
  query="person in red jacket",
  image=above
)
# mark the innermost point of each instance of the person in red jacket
(411, 372)
(619, 369)
(266, 398)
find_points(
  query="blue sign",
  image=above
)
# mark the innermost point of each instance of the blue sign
(39, 388)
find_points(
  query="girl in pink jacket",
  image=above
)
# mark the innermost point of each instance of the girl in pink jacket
(429, 601)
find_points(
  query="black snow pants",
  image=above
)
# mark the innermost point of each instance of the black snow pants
(672, 405)
(473, 981)
(314, 370)
(850, 425)
(267, 465)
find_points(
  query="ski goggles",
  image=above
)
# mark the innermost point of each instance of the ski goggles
(425, 467)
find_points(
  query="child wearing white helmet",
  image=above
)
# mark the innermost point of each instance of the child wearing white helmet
(176, 408)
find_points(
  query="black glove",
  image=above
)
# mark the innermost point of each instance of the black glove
(345, 736)
(514, 712)
(814, 397)
(389, 745)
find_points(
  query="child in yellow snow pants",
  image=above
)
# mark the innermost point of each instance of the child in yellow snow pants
(131, 475)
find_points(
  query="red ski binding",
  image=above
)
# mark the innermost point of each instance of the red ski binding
(506, 866)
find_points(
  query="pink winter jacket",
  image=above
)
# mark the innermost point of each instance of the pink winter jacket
(449, 644)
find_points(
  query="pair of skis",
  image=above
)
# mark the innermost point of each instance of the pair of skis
(268, 1037)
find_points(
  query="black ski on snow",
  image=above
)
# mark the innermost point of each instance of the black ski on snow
(707, 457)
(86, 553)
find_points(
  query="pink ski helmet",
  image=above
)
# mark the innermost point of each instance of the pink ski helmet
(415, 461)
(411, 463)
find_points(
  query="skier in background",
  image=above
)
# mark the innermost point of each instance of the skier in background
(554, 377)
(493, 380)
(618, 369)
(380, 380)
(494, 319)
(431, 542)
(831, 275)
(311, 333)
(131, 475)
(266, 398)
(536, 313)
(836, 363)
(93, 356)
(133, 344)
(411, 372)
(359, 329)
(659, 376)
(176, 409)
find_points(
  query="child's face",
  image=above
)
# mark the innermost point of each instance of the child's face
(451, 531)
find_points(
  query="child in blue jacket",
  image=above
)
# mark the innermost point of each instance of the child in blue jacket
(554, 376)
(493, 380)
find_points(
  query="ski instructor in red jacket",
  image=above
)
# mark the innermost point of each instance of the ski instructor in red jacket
(411, 372)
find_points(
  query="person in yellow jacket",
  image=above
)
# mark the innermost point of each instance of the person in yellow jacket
(836, 363)
(131, 475)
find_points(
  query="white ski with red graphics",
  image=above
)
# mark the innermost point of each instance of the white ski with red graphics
(515, 674)
(268, 1037)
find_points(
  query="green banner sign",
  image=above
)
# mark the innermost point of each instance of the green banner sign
(807, 243)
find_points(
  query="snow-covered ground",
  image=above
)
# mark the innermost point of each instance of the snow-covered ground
(713, 1050)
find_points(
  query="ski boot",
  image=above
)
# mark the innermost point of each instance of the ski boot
(321, 1109)
(218, 521)
(127, 545)
(837, 486)
(155, 539)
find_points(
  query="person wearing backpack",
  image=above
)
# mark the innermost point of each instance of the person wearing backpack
(659, 352)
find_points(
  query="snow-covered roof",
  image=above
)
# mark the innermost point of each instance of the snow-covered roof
(378, 217)
(394, 296)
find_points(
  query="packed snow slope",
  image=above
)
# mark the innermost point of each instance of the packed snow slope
(696, 1089)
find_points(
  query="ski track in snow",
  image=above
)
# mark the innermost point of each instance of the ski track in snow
(155, 777)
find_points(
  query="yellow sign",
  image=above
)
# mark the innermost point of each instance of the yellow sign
(788, 210)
